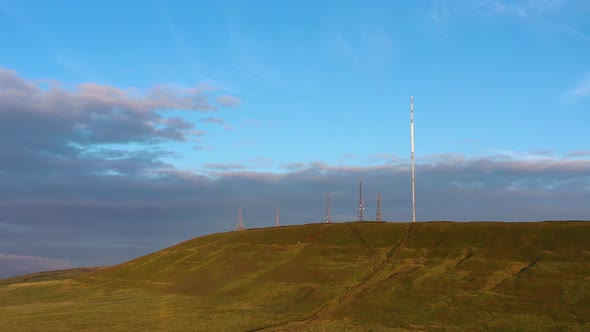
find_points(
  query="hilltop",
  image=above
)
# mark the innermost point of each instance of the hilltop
(321, 277)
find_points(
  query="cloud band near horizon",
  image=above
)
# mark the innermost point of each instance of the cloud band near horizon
(83, 179)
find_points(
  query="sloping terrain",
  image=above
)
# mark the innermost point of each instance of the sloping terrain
(326, 277)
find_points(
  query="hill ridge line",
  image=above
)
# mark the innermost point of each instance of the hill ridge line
(324, 277)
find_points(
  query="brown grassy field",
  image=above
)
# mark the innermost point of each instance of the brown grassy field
(366, 276)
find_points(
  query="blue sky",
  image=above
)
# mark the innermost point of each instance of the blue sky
(194, 108)
(486, 76)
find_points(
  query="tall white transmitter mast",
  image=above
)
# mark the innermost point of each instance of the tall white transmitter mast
(413, 171)
(328, 216)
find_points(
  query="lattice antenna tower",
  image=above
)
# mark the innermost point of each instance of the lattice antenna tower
(277, 219)
(413, 167)
(361, 209)
(379, 207)
(240, 224)
(328, 216)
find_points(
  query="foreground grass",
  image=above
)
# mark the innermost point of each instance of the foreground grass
(327, 277)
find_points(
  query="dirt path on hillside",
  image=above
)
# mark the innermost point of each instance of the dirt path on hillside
(348, 296)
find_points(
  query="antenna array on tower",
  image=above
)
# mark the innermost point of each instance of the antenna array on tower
(361, 209)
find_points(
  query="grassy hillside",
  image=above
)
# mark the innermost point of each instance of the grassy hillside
(323, 277)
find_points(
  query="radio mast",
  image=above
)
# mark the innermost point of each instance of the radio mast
(328, 216)
(361, 212)
(413, 171)
(379, 207)
(240, 225)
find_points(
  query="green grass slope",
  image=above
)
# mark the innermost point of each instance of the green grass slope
(328, 277)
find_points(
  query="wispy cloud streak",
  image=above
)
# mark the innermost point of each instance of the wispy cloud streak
(444, 9)
(580, 91)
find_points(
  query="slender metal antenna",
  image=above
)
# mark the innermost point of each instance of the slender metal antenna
(413, 171)
(277, 220)
(240, 225)
(328, 216)
(361, 212)
(379, 207)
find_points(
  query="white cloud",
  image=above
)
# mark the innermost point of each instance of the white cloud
(367, 48)
(213, 120)
(446, 9)
(523, 156)
(579, 153)
(228, 101)
(581, 90)
(521, 8)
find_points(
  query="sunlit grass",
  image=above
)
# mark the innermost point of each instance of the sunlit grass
(319, 277)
